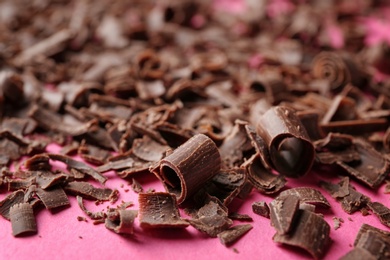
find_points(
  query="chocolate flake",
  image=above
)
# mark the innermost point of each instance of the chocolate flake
(307, 195)
(232, 234)
(99, 216)
(12, 199)
(381, 211)
(159, 210)
(240, 217)
(261, 208)
(283, 211)
(53, 198)
(336, 223)
(136, 186)
(87, 191)
(121, 221)
(22, 219)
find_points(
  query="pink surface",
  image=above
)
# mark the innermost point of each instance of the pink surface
(62, 236)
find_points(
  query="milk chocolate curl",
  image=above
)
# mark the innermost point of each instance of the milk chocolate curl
(22, 219)
(190, 166)
(290, 149)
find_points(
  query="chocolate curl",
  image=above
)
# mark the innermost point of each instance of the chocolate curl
(330, 66)
(291, 152)
(191, 165)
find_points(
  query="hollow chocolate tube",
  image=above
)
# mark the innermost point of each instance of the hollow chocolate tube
(189, 166)
(290, 149)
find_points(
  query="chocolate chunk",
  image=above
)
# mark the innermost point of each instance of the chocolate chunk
(211, 219)
(198, 155)
(159, 210)
(283, 211)
(365, 228)
(100, 216)
(232, 234)
(291, 152)
(87, 191)
(306, 195)
(261, 208)
(240, 217)
(381, 211)
(53, 198)
(121, 221)
(336, 223)
(22, 219)
(12, 199)
(310, 232)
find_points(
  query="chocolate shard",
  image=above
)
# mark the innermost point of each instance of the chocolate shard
(381, 211)
(350, 199)
(240, 217)
(291, 151)
(261, 208)
(306, 195)
(283, 211)
(366, 228)
(121, 221)
(88, 191)
(358, 254)
(136, 186)
(356, 127)
(211, 219)
(232, 234)
(198, 155)
(53, 198)
(14, 198)
(93, 215)
(48, 179)
(377, 245)
(80, 166)
(126, 165)
(148, 150)
(159, 210)
(310, 232)
(22, 219)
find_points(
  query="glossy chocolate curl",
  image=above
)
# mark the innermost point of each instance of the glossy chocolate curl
(191, 165)
(290, 149)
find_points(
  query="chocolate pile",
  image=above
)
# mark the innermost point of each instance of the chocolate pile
(214, 104)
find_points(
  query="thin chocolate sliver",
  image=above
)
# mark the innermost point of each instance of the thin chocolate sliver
(283, 211)
(14, 198)
(189, 166)
(159, 210)
(307, 195)
(136, 186)
(22, 219)
(291, 151)
(93, 215)
(121, 221)
(381, 211)
(261, 208)
(232, 234)
(240, 217)
(310, 232)
(53, 198)
(87, 191)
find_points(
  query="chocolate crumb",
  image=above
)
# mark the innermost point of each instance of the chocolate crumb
(136, 186)
(79, 218)
(336, 223)
(235, 250)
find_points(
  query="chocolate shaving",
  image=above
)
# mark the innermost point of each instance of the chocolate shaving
(232, 234)
(100, 216)
(22, 219)
(291, 152)
(381, 211)
(149, 150)
(310, 232)
(240, 217)
(136, 186)
(121, 221)
(87, 191)
(12, 199)
(53, 198)
(306, 195)
(198, 155)
(261, 208)
(159, 210)
(283, 210)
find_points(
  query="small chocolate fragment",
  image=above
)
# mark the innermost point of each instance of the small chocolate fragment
(261, 208)
(121, 221)
(358, 254)
(149, 150)
(22, 219)
(53, 198)
(366, 228)
(283, 211)
(136, 186)
(356, 127)
(159, 210)
(377, 245)
(211, 219)
(87, 191)
(232, 234)
(80, 218)
(240, 217)
(310, 232)
(189, 166)
(99, 216)
(381, 211)
(290, 149)
(14, 198)
(336, 223)
(306, 195)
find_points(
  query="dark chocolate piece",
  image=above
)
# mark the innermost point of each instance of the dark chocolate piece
(374, 243)
(120, 220)
(159, 210)
(366, 228)
(93, 154)
(240, 217)
(12, 199)
(306, 195)
(93, 215)
(356, 127)
(136, 186)
(189, 166)
(381, 211)
(149, 150)
(358, 254)
(283, 211)
(53, 198)
(310, 232)
(290, 149)
(232, 234)
(22, 219)
(261, 208)
(87, 191)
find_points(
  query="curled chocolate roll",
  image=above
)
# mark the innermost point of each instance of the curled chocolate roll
(189, 166)
(330, 66)
(290, 149)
